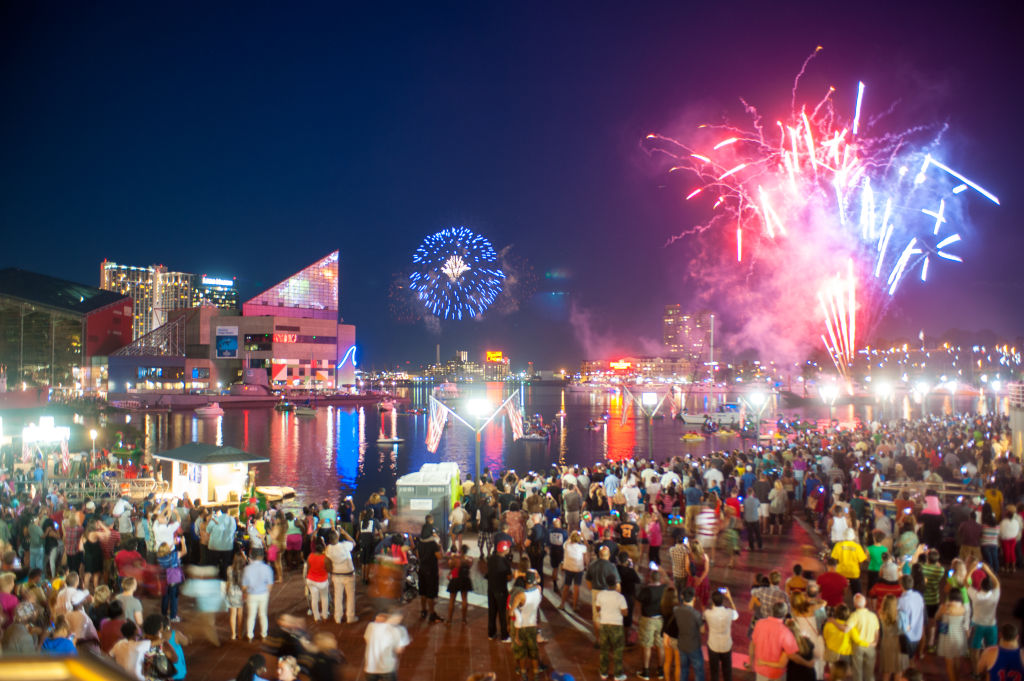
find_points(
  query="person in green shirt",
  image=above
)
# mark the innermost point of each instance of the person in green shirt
(933, 573)
(875, 553)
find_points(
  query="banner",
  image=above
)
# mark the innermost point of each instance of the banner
(435, 424)
(516, 418)
(227, 342)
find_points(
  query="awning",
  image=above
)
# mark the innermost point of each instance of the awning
(207, 455)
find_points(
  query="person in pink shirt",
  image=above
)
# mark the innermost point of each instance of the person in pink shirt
(653, 534)
(770, 641)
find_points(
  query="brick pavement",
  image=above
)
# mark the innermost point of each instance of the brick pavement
(441, 652)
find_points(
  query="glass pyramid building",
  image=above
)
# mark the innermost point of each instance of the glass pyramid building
(309, 294)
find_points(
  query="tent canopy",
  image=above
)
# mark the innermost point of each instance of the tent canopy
(207, 455)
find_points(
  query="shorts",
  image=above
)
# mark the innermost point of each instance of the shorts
(983, 636)
(293, 542)
(555, 556)
(524, 645)
(650, 632)
(572, 577)
(631, 550)
(931, 609)
(762, 511)
(458, 529)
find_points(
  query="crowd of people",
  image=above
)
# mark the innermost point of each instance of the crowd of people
(919, 521)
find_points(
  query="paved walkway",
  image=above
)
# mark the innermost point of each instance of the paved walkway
(441, 652)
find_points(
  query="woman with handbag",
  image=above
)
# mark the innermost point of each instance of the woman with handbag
(169, 560)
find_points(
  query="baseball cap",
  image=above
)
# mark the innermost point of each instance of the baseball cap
(504, 546)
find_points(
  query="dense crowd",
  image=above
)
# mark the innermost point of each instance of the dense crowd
(919, 521)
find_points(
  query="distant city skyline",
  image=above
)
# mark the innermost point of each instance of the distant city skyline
(252, 144)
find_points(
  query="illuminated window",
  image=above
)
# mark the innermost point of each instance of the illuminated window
(311, 293)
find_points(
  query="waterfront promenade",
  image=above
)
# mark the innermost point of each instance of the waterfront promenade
(440, 652)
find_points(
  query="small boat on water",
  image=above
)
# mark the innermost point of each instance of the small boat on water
(284, 406)
(692, 437)
(390, 440)
(211, 410)
(305, 411)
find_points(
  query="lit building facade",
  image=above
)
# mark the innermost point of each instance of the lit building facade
(291, 330)
(496, 366)
(215, 292)
(157, 292)
(52, 329)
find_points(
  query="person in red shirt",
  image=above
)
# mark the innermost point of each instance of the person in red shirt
(734, 502)
(128, 560)
(832, 584)
(110, 628)
(881, 589)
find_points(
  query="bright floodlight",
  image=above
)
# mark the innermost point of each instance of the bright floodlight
(883, 389)
(649, 399)
(922, 387)
(92, 433)
(757, 398)
(479, 406)
(952, 386)
(997, 385)
(829, 392)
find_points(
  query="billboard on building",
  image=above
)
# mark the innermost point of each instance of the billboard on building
(227, 342)
(494, 356)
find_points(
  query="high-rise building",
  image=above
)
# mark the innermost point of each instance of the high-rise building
(496, 366)
(158, 291)
(216, 292)
(688, 334)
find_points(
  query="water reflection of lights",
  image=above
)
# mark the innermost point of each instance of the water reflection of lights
(220, 430)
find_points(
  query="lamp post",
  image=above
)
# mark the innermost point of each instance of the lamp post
(479, 407)
(922, 388)
(997, 385)
(758, 400)
(829, 393)
(883, 391)
(92, 436)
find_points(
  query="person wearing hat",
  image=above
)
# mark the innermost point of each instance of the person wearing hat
(499, 572)
(849, 554)
(524, 606)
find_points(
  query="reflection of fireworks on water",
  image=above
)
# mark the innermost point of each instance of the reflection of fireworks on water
(823, 217)
(457, 274)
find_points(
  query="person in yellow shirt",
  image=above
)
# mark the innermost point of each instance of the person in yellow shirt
(849, 554)
(837, 641)
(995, 499)
(863, 627)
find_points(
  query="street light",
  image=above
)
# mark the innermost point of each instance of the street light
(758, 400)
(883, 391)
(92, 435)
(478, 407)
(829, 394)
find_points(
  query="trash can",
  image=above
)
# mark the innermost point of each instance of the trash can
(427, 491)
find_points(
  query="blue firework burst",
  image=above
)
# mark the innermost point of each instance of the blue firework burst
(457, 274)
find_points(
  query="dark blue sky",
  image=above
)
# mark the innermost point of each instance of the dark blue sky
(250, 139)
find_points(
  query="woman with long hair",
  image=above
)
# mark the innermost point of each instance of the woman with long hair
(953, 626)
(316, 572)
(459, 582)
(807, 624)
(277, 541)
(369, 534)
(574, 562)
(254, 670)
(777, 504)
(169, 559)
(699, 569)
(92, 552)
(670, 634)
(889, 667)
(234, 595)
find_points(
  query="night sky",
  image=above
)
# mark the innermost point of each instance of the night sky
(250, 139)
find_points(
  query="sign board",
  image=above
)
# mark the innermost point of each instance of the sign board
(494, 356)
(227, 342)
(421, 504)
(286, 337)
(212, 281)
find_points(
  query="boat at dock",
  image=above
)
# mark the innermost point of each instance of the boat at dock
(211, 410)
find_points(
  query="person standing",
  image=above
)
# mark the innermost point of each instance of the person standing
(691, 625)
(719, 621)
(752, 521)
(602, 576)
(208, 591)
(1005, 660)
(221, 529)
(984, 602)
(849, 554)
(574, 563)
(343, 574)
(316, 572)
(771, 639)
(257, 578)
(864, 630)
(911, 609)
(610, 611)
(524, 606)
(499, 572)
(651, 622)
(428, 550)
(386, 638)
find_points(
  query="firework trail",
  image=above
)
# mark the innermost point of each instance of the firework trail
(819, 215)
(457, 274)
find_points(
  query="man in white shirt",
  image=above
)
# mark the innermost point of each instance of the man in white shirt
(984, 602)
(524, 606)
(343, 574)
(611, 610)
(386, 638)
(68, 595)
(719, 620)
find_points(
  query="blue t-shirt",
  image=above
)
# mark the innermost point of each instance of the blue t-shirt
(59, 646)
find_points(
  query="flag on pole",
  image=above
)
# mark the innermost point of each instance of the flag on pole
(435, 425)
(512, 409)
